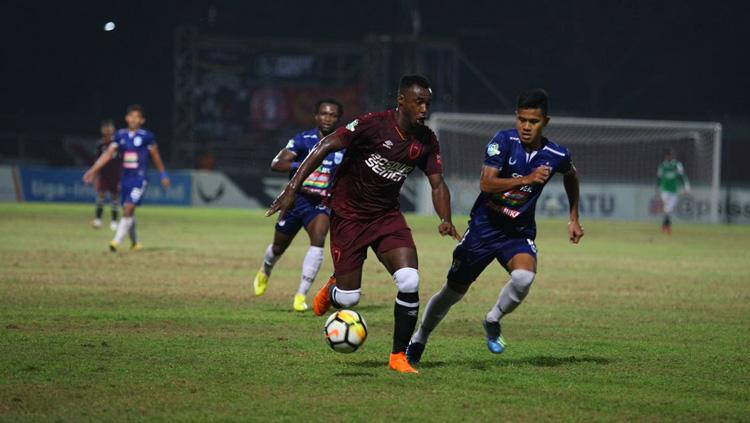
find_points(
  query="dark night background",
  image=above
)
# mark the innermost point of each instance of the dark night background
(677, 60)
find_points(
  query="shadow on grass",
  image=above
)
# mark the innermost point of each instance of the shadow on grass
(355, 374)
(376, 364)
(536, 361)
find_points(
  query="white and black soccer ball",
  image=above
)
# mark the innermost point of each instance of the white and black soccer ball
(345, 331)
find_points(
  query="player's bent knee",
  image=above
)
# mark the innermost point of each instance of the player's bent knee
(407, 279)
(521, 279)
(346, 299)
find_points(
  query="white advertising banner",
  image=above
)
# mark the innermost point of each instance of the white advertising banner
(621, 201)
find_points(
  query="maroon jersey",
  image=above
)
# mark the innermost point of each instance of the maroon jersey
(109, 174)
(379, 156)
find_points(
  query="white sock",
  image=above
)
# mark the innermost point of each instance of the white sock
(436, 309)
(122, 229)
(511, 295)
(269, 259)
(310, 267)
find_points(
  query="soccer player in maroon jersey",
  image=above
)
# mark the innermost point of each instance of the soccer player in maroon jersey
(108, 180)
(381, 150)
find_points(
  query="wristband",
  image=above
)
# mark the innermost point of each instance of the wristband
(164, 175)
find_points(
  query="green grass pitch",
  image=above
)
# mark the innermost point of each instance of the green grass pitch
(629, 325)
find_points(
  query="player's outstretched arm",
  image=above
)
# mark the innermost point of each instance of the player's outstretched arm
(491, 182)
(572, 189)
(90, 174)
(325, 147)
(156, 157)
(441, 200)
(284, 161)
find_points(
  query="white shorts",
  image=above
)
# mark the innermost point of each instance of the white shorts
(669, 200)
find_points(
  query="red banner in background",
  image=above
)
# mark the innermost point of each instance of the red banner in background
(277, 107)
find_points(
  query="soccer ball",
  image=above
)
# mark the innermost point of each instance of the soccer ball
(345, 331)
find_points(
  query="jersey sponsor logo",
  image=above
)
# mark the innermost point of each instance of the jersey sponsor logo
(510, 212)
(415, 149)
(395, 171)
(137, 141)
(338, 157)
(388, 144)
(493, 149)
(130, 160)
(352, 125)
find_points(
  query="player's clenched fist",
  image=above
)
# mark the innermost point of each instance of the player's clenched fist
(284, 201)
(539, 175)
(447, 228)
(575, 232)
(89, 176)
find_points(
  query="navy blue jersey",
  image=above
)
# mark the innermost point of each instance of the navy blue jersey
(134, 148)
(320, 180)
(512, 211)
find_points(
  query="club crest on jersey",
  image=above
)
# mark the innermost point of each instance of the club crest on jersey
(137, 141)
(493, 149)
(415, 149)
(352, 125)
(338, 157)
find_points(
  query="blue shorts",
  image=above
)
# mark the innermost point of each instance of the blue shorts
(474, 253)
(133, 191)
(306, 208)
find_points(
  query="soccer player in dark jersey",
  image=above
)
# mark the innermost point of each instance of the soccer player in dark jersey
(308, 211)
(108, 180)
(135, 145)
(517, 165)
(382, 149)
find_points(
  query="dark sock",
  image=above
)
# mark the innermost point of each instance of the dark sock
(405, 312)
(99, 211)
(333, 297)
(114, 215)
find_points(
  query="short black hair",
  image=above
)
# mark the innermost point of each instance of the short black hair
(136, 108)
(535, 98)
(107, 122)
(333, 101)
(414, 79)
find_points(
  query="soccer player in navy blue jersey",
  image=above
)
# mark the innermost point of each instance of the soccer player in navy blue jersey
(134, 145)
(308, 211)
(517, 165)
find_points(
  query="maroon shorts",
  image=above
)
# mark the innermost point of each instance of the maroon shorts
(111, 185)
(351, 238)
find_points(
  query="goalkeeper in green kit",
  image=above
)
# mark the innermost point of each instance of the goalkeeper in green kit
(671, 180)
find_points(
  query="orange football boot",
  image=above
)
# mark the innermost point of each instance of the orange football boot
(322, 300)
(399, 363)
